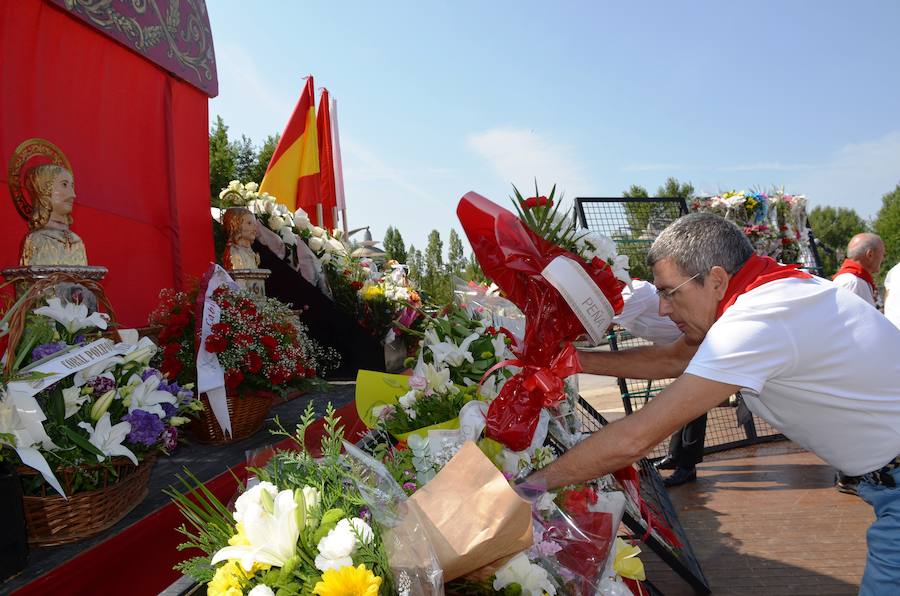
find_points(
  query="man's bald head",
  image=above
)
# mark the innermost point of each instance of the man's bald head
(867, 249)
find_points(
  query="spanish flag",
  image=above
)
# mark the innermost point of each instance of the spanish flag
(326, 161)
(293, 173)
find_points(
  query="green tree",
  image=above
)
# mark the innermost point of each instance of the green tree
(244, 159)
(221, 158)
(435, 281)
(393, 245)
(833, 228)
(416, 265)
(263, 158)
(473, 271)
(887, 225)
(456, 256)
(672, 189)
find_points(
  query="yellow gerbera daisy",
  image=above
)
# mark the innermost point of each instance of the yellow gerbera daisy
(348, 581)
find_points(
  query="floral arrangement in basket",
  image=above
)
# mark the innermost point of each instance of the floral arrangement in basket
(566, 281)
(304, 528)
(259, 343)
(76, 402)
(774, 222)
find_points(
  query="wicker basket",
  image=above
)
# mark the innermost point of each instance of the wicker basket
(247, 412)
(53, 520)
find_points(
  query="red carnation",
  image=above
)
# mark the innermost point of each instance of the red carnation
(171, 368)
(278, 376)
(541, 201)
(171, 350)
(310, 372)
(233, 378)
(269, 342)
(356, 285)
(254, 362)
(215, 344)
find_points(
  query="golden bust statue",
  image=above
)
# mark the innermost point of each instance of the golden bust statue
(240, 232)
(50, 241)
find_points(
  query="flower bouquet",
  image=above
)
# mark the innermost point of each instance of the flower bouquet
(307, 527)
(88, 416)
(566, 281)
(261, 347)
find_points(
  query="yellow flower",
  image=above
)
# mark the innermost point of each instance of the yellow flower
(371, 292)
(228, 580)
(626, 562)
(348, 581)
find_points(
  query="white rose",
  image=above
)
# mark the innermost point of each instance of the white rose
(257, 206)
(251, 187)
(288, 235)
(251, 499)
(301, 220)
(312, 497)
(318, 232)
(236, 185)
(335, 246)
(316, 244)
(276, 222)
(261, 590)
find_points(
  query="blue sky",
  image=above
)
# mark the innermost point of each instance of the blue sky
(439, 98)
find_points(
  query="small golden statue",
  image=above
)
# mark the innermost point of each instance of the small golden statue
(51, 242)
(44, 194)
(240, 232)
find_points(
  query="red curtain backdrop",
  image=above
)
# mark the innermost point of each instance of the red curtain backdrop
(136, 138)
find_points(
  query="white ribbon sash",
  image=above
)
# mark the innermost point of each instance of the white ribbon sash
(582, 295)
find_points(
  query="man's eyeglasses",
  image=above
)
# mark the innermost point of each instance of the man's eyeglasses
(669, 294)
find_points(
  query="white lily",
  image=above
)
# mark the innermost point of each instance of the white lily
(145, 396)
(108, 438)
(335, 246)
(499, 344)
(438, 379)
(143, 352)
(533, 579)
(449, 352)
(316, 244)
(72, 316)
(73, 399)
(22, 417)
(272, 530)
(620, 268)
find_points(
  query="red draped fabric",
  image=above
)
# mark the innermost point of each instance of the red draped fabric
(137, 141)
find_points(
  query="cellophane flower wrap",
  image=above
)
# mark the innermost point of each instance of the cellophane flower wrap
(514, 256)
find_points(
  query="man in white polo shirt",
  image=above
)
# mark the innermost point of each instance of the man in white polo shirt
(865, 253)
(812, 360)
(892, 295)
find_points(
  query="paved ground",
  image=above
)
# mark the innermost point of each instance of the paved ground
(767, 520)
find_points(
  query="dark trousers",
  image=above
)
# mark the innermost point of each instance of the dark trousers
(686, 445)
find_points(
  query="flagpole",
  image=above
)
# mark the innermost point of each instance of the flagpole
(338, 167)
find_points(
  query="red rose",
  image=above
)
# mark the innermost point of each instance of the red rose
(171, 368)
(171, 350)
(253, 362)
(215, 344)
(356, 285)
(577, 500)
(278, 376)
(233, 378)
(310, 372)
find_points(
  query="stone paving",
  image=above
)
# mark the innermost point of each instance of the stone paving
(767, 520)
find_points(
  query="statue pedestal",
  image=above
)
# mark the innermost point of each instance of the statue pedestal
(251, 280)
(68, 289)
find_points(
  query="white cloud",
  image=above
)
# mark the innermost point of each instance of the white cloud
(771, 166)
(519, 156)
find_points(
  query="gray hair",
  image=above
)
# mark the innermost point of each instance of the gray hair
(861, 243)
(700, 241)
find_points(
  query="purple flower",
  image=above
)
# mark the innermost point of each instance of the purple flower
(145, 427)
(364, 513)
(409, 486)
(44, 350)
(151, 372)
(101, 384)
(170, 439)
(169, 409)
(80, 339)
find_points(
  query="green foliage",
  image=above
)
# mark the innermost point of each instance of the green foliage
(435, 282)
(833, 227)
(672, 189)
(262, 159)
(244, 158)
(887, 225)
(393, 245)
(456, 257)
(473, 272)
(221, 158)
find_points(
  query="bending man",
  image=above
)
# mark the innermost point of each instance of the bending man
(810, 359)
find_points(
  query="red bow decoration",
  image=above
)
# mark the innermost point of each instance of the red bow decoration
(513, 256)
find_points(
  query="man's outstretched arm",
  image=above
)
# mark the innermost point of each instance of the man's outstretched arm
(648, 362)
(625, 441)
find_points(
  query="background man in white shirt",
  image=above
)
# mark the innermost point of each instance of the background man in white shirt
(865, 253)
(892, 295)
(809, 358)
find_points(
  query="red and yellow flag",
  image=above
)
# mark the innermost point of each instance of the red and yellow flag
(293, 173)
(326, 161)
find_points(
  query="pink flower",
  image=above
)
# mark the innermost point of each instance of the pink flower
(417, 382)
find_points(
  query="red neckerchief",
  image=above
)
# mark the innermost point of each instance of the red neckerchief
(850, 266)
(755, 272)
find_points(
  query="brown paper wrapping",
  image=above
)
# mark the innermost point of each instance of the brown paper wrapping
(471, 515)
